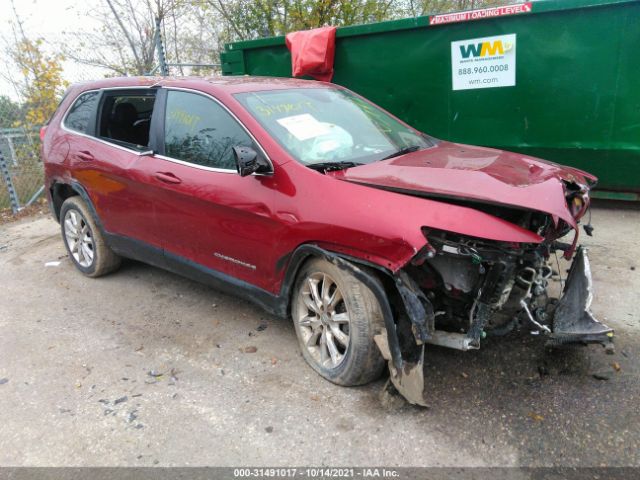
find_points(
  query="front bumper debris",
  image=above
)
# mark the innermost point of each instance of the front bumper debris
(409, 380)
(573, 321)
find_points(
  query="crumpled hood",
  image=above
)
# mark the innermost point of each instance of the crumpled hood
(475, 173)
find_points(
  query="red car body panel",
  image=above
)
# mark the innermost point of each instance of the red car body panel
(212, 217)
(119, 183)
(381, 226)
(477, 173)
(258, 221)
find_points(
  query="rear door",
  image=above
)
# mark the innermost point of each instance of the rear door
(207, 213)
(109, 157)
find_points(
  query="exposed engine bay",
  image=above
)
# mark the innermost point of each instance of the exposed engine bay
(479, 289)
(458, 290)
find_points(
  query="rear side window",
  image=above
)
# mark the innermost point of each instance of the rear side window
(126, 117)
(64, 97)
(81, 113)
(200, 131)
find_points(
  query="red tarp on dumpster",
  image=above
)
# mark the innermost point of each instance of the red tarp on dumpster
(312, 52)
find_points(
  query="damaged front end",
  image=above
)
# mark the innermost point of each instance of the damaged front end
(457, 290)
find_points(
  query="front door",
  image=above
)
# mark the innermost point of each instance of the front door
(207, 213)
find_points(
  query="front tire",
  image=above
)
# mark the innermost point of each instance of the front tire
(84, 240)
(336, 317)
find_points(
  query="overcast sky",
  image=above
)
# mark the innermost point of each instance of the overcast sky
(47, 19)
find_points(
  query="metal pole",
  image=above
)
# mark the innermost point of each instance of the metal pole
(12, 150)
(13, 197)
(35, 196)
(162, 60)
(209, 65)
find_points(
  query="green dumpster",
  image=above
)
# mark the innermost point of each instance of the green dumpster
(556, 79)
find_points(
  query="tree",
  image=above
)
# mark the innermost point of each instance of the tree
(248, 19)
(124, 42)
(10, 112)
(41, 84)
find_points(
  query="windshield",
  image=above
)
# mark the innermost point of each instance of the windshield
(330, 125)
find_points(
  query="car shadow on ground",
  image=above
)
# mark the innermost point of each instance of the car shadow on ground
(516, 376)
(517, 395)
(504, 368)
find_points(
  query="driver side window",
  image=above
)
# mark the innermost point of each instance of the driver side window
(200, 131)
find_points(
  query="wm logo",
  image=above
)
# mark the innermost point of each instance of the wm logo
(482, 49)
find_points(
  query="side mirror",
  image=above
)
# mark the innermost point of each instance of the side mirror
(248, 161)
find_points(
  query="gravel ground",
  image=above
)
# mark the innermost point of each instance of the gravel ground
(145, 368)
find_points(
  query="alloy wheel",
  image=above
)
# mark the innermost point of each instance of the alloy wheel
(78, 237)
(323, 320)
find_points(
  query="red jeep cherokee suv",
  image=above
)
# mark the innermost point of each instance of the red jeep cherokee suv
(312, 202)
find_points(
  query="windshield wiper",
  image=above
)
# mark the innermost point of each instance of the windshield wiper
(402, 151)
(332, 166)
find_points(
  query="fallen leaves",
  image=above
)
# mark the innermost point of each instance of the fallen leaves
(536, 417)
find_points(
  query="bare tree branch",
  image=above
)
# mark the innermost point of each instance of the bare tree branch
(219, 7)
(134, 51)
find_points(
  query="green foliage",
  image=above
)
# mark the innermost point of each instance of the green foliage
(43, 85)
(248, 19)
(10, 112)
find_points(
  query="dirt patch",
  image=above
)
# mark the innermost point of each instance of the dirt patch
(38, 208)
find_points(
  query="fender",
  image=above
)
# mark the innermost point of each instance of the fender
(416, 305)
(378, 225)
(81, 191)
(77, 187)
(350, 264)
(405, 370)
(291, 262)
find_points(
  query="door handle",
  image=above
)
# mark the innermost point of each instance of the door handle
(167, 177)
(85, 156)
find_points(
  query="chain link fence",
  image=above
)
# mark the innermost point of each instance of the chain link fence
(21, 167)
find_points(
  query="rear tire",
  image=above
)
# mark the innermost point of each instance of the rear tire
(336, 317)
(84, 240)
